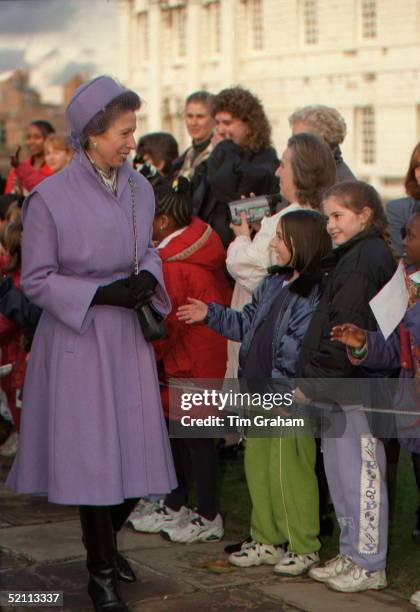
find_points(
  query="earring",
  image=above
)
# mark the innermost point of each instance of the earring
(95, 144)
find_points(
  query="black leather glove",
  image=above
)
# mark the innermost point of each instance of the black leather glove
(143, 286)
(119, 293)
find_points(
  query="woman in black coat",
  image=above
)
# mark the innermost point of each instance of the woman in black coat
(242, 162)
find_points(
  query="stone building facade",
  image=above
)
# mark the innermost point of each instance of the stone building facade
(361, 56)
(19, 105)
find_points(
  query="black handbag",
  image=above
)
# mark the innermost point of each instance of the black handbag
(151, 323)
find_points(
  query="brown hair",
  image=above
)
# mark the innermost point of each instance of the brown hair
(356, 195)
(161, 146)
(411, 185)
(201, 97)
(14, 213)
(314, 168)
(305, 235)
(58, 141)
(12, 238)
(242, 104)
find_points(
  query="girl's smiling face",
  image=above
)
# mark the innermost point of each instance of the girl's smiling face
(283, 255)
(342, 222)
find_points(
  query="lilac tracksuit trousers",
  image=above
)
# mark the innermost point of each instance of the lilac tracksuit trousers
(355, 466)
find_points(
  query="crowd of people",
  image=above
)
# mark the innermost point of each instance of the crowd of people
(99, 248)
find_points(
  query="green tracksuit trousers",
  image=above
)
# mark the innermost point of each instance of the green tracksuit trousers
(281, 478)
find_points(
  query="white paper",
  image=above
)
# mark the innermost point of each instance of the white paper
(390, 304)
(415, 277)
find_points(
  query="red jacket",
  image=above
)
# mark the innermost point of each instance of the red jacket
(193, 266)
(27, 175)
(12, 351)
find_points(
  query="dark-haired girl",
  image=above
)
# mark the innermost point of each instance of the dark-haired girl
(25, 175)
(193, 262)
(360, 264)
(280, 471)
(93, 432)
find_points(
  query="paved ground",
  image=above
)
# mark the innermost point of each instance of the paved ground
(40, 549)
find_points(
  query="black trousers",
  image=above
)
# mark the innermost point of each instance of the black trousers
(195, 460)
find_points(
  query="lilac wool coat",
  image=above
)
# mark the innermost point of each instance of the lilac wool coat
(92, 425)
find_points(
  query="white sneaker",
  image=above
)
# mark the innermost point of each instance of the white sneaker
(197, 529)
(293, 564)
(254, 553)
(143, 508)
(415, 600)
(356, 578)
(157, 518)
(332, 568)
(9, 448)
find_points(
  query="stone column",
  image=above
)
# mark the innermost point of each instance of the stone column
(154, 101)
(193, 45)
(228, 64)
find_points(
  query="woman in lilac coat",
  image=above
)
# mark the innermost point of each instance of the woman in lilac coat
(93, 433)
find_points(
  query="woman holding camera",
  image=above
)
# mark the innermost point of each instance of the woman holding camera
(92, 430)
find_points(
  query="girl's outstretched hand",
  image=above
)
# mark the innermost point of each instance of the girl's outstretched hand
(194, 312)
(349, 334)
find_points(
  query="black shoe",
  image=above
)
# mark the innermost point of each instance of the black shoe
(98, 538)
(416, 531)
(119, 515)
(103, 593)
(124, 570)
(231, 548)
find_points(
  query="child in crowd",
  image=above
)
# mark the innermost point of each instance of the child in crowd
(157, 152)
(401, 349)
(280, 471)
(193, 263)
(360, 264)
(58, 152)
(25, 175)
(11, 339)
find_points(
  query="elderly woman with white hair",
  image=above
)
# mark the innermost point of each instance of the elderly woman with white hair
(327, 123)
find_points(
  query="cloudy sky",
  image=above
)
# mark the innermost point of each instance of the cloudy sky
(54, 39)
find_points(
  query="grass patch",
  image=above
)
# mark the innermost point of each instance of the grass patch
(403, 568)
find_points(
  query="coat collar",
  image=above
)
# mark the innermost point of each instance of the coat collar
(124, 173)
(330, 261)
(304, 283)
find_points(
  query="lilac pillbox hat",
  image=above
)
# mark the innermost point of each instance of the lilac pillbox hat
(89, 99)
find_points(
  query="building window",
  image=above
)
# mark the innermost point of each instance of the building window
(254, 20)
(257, 23)
(366, 130)
(179, 24)
(213, 27)
(310, 22)
(143, 36)
(368, 18)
